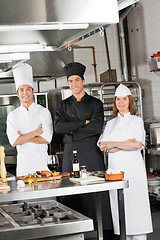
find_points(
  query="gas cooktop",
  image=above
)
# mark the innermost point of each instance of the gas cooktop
(40, 219)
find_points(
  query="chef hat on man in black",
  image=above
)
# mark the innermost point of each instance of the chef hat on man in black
(74, 68)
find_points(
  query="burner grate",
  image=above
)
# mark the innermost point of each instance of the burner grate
(38, 213)
(4, 223)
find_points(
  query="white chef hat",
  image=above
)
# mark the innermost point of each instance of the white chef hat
(23, 75)
(122, 91)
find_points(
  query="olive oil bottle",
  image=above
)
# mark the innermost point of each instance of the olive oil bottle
(76, 170)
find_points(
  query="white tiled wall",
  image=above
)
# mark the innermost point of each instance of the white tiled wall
(144, 36)
(85, 56)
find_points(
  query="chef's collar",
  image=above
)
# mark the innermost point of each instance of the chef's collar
(83, 99)
(30, 107)
(125, 115)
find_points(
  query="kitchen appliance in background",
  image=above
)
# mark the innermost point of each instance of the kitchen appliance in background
(155, 133)
(7, 104)
(152, 127)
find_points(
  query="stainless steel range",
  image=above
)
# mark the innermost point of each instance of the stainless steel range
(42, 220)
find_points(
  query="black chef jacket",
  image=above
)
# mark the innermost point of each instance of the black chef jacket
(70, 120)
(71, 117)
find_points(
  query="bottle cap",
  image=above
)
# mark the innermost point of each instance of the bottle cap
(83, 167)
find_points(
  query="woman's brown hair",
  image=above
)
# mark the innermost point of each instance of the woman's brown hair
(132, 108)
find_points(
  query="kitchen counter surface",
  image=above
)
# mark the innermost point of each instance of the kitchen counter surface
(66, 187)
(61, 188)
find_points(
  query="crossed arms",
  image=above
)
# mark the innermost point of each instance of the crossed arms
(79, 128)
(129, 145)
(33, 137)
(19, 133)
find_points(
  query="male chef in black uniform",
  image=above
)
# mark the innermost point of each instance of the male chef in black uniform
(80, 118)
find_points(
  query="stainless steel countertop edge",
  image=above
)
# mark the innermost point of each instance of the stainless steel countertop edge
(66, 188)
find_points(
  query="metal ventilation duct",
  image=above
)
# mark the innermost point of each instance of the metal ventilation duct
(46, 65)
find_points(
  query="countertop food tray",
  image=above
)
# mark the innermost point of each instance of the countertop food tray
(89, 179)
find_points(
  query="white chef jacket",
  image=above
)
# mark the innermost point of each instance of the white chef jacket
(137, 206)
(31, 157)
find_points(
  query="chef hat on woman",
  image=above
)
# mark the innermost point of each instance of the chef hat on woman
(122, 91)
(23, 75)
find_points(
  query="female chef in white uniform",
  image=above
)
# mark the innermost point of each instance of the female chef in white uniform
(29, 127)
(123, 138)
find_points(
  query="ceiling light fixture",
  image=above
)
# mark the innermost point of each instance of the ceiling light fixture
(8, 60)
(56, 26)
(10, 57)
(15, 48)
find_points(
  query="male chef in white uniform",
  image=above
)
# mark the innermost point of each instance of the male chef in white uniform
(29, 127)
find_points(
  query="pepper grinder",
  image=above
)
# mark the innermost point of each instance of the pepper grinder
(3, 167)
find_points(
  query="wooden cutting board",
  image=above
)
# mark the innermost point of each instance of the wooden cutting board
(44, 178)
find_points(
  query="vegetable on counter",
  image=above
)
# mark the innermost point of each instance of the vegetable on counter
(49, 174)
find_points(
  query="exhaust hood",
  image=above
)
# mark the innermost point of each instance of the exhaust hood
(49, 25)
(32, 29)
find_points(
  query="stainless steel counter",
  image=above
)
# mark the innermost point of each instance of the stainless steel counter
(62, 188)
(66, 187)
